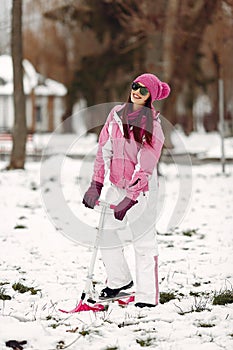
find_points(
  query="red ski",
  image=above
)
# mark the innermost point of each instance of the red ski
(122, 298)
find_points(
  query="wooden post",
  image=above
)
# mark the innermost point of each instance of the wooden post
(33, 110)
(221, 121)
(50, 107)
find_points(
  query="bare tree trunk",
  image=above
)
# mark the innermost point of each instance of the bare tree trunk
(190, 23)
(170, 29)
(168, 56)
(20, 128)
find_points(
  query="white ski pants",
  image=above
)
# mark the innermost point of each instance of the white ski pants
(138, 227)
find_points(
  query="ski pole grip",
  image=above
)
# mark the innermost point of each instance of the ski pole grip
(111, 206)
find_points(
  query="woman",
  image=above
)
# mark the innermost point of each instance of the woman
(130, 145)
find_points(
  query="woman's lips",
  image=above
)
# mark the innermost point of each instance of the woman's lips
(136, 96)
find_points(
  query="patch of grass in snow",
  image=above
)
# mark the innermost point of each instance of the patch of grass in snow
(3, 295)
(165, 234)
(49, 318)
(200, 294)
(4, 283)
(166, 297)
(197, 284)
(20, 227)
(57, 322)
(144, 332)
(206, 325)
(145, 342)
(223, 298)
(194, 294)
(198, 306)
(60, 345)
(189, 233)
(34, 186)
(18, 268)
(88, 331)
(111, 348)
(84, 332)
(131, 322)
(72, 330)
(54, 325)
(170, 245)
(19, 287)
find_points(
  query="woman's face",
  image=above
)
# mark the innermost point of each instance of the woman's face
(137, 97)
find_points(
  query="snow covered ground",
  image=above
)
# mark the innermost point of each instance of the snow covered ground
(195, 263)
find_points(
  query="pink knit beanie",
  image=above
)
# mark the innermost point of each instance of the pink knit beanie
(158, 90)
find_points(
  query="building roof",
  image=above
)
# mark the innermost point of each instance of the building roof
(32, 80)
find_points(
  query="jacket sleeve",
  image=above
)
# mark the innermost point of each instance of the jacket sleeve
(104, 152)
(148, 157)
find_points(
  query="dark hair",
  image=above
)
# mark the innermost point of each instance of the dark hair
(138, 132)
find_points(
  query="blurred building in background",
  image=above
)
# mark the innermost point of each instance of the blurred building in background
(44, 98)
(5, 26)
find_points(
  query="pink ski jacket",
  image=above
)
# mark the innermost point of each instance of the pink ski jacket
(132, 166)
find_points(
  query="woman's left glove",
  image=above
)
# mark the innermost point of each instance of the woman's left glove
(121, 208)
(92, 195)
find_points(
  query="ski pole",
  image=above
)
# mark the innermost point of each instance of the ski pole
(81, 306)
(89, 280)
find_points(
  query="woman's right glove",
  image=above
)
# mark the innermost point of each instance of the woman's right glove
(92, 195)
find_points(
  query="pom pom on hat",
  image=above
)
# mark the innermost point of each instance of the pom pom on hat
(158, 89)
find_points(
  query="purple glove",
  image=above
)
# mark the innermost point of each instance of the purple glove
(121, 208)
(93, 193)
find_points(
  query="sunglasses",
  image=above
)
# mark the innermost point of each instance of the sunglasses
(142, 89)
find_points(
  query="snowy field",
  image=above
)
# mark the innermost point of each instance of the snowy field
(195, 265)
